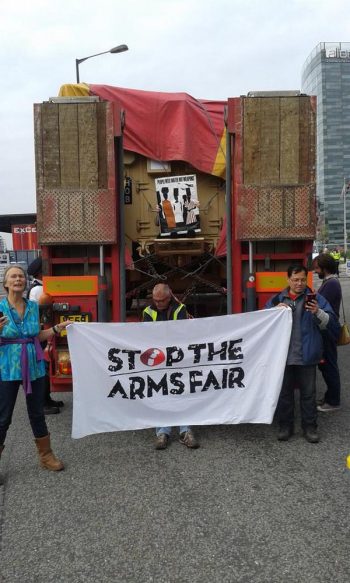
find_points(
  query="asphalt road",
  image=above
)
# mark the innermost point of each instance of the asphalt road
(244, 508)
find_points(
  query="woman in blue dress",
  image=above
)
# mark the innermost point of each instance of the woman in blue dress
(22, 362)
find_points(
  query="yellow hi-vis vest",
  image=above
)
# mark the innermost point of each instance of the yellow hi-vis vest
(154, 313)
(336, 255)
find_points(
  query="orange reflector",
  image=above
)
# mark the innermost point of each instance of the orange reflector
(73, 285)
(274, 281)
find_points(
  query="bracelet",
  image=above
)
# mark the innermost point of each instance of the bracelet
(55, 330)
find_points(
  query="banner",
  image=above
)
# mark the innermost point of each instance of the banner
(210, 371)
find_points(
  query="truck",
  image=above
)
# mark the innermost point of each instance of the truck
(134, 188)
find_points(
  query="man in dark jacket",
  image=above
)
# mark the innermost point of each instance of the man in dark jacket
(310, 316)
(325, 266)
(165, 307)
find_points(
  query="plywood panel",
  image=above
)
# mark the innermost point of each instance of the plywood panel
(50, 145)
(302, 209)
(38, 145)
(270, 140)
(288, 208)
(306, 149)
(69, 145)
(276, 208)
(289, 164)
(75, 211)
(88, 161)
(76, 217)
(276, 213)
(102, 145)
(251, 141)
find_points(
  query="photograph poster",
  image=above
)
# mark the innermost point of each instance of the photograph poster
(178, 205)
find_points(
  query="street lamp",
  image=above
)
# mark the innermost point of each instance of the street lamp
(118, 49)
(102, 293)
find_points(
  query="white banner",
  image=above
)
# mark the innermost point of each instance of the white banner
(210, 371)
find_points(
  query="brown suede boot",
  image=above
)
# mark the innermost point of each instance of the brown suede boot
(46, 456)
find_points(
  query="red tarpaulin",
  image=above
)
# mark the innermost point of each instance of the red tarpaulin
(167, 126)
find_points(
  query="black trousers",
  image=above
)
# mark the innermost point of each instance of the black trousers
(35, 407)
(330, 371)
(303, 378)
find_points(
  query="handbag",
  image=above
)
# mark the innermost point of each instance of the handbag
(344, 336)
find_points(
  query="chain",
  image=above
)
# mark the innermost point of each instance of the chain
(155, 276)
(188, 293)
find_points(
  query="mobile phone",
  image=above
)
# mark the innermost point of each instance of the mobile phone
(309, 298)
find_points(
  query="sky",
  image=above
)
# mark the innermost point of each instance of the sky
(211, 49)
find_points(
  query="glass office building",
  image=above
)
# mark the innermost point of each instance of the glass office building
(326, 74)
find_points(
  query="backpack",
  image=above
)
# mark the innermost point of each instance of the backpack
(34, 284)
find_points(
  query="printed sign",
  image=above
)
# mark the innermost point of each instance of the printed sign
(86, 317)
(24, 237)
(178, 205)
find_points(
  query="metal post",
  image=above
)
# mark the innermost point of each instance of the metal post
(102, 290)
(228, 222)
(251, 284)
(77, 69)
(250, 257)
(121, 223)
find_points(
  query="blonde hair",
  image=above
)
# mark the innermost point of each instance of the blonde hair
(12, 266)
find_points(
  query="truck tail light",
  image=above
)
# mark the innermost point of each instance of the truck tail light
(63, 363)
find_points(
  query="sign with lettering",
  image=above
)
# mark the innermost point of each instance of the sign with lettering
(336, 53)
(177, 205)
(128, 190)
(24, 237)
(225, 369)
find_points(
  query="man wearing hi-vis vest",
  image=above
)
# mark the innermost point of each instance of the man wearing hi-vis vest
(165, 307)
(336, 256)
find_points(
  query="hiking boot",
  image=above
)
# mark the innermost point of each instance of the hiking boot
(161, 441)
(189, 440)
(327, 408)
(285, 433)
(311, 435)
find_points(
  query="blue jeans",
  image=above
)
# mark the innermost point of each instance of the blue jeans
(35, 407)
(167, 430)
(330, 371)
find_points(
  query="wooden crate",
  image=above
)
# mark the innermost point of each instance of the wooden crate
(274, 168)
(75, 172)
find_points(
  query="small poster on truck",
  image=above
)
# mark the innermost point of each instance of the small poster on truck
(177, 205)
